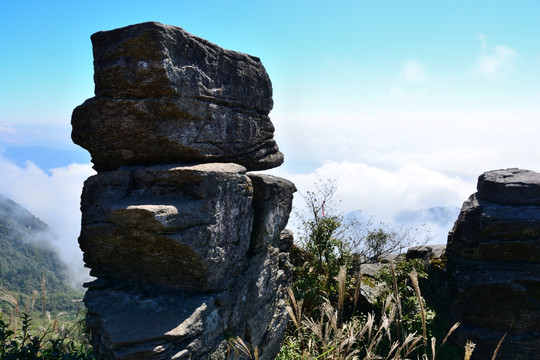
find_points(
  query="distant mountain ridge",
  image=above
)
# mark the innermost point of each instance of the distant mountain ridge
(437, 215)
(437, 220)
(26, 255)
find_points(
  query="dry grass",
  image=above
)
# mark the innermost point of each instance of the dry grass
(239, 349)
(469, 348)
(396, 296)
(370, 337)
(341, 279)
(328, 338)
(414, 279)
(357, 290)
(498, 347)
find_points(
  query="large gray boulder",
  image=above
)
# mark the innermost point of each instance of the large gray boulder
(180, 227)
(141, 322)
(501, 222)
(510, 187)
(166, 96)
(494, 265)
(187, 248)
(177, 265)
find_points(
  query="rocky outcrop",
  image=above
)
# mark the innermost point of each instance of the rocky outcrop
(494, 265)
(187, 247)
(179, 97)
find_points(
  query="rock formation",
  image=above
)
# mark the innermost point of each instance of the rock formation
(186, 245)
(494, 265)
(179, 97)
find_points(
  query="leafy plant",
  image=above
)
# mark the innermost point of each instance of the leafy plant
(331, 246)
(55, 339)
(325, 321)
(28, 341)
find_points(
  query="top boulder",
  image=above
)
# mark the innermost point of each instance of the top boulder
(166, 96)
(152, 60)
(510, 186)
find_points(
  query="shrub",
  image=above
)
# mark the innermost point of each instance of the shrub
(22, 340)
(325, 321)
(331, 245)
(51, 339)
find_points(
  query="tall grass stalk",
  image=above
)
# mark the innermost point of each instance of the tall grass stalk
(397, 296)
(414, 279)
(498, 347)
(239, 349)
(295, 312)
(341, 279)
(469, 348)
(329, 336)
(357, 290)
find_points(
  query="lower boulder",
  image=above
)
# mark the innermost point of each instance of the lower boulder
(186, 258)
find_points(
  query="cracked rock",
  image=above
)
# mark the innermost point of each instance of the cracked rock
(166, 96)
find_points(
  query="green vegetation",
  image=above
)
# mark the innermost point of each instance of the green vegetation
(327, 319)
(328, 259)
(39, 312)
(21, 339)
(28, 264)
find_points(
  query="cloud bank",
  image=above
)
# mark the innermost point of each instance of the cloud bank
(381, 192)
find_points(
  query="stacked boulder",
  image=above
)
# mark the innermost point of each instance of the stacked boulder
(494, 264)
(185, 245)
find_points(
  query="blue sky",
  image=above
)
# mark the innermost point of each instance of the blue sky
(405, 103)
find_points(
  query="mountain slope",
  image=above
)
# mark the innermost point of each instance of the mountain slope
(26, 256)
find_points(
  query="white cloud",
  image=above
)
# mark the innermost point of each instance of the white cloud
(413, 72)
(7, 130)
(483, 41)
(17, 134)
(382, 193)
(455, 142)
(495, 61)
(54, 199)
(413, 83)
(8, 134)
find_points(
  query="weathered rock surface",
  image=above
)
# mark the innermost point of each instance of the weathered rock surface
(174, 251)
(425, 252)
(166, 96)
(187, 247)
(185, 227)
(271, 201)
(141, 322)
(494, 265)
